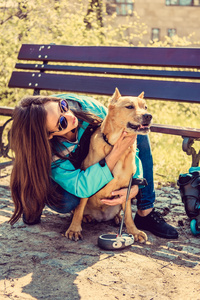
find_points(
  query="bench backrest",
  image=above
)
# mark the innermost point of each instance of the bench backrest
(98, 70)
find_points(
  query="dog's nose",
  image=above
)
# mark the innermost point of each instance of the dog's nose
(147, 118)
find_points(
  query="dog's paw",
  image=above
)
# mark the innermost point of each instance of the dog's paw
(140, 236)
(117, 219)
(87, 219)
(74, 234)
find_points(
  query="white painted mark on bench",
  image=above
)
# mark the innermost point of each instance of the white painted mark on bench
(41, 47)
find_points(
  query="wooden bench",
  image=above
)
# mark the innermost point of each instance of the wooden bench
(98, 70)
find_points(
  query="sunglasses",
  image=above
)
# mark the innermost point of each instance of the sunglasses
(62, 122)
(64, 107)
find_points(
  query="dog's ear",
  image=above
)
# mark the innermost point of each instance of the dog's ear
(115, 96)
(141, 95)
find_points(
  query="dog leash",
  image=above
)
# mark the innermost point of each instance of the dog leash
(120, 240)
(127, 196)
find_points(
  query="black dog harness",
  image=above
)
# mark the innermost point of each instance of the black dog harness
(77, 157)
(106, 140)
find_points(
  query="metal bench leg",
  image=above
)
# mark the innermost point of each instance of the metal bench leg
(4, 149)
(187, 147)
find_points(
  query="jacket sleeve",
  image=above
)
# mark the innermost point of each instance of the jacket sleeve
(84, 184)
(139, 169)
(81, 183)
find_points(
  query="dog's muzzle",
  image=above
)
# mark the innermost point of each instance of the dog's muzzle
(144, 126)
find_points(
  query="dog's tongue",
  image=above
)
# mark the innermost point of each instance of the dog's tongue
(142, 126)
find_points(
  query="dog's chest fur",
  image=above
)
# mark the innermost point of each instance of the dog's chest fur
(102, 212)
(121, 172)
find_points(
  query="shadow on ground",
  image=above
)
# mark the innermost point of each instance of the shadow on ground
(38, 262)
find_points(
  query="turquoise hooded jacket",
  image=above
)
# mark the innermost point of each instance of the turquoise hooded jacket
(83, 183)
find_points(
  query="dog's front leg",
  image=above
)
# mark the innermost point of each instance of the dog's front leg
(74, 230)
(130, 225)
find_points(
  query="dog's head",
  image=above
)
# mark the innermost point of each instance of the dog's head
(130, 113)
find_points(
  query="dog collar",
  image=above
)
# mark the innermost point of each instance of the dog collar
(106, 140)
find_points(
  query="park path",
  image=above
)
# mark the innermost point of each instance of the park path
(38, 262)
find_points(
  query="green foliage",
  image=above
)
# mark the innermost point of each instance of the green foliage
(50, 21)
(176, 41)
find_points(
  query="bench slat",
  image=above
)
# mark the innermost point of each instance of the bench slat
(6, 111)
(144, 56)
(176, 130)
(104, 70)
(154, 89)
(159, 128)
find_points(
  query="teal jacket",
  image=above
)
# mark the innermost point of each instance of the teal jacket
(78, 182)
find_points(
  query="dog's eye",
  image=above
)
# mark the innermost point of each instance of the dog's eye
(130, 107)
(145, 107)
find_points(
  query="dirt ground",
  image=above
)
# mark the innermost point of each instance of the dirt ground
(38, 262)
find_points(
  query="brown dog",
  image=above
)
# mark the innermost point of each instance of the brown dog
(124, 113)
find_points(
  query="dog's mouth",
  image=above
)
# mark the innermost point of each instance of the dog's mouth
(139, 128)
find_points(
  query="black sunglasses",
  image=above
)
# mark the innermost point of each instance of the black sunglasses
(64, 107)
(62, 122)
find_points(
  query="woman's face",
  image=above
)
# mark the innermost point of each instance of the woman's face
(54, 112)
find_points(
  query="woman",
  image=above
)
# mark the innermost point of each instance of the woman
(50, 137)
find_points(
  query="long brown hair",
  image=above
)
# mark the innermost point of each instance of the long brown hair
(30, 178)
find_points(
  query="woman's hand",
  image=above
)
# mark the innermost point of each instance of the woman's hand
(121, 196)
(119, 148)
